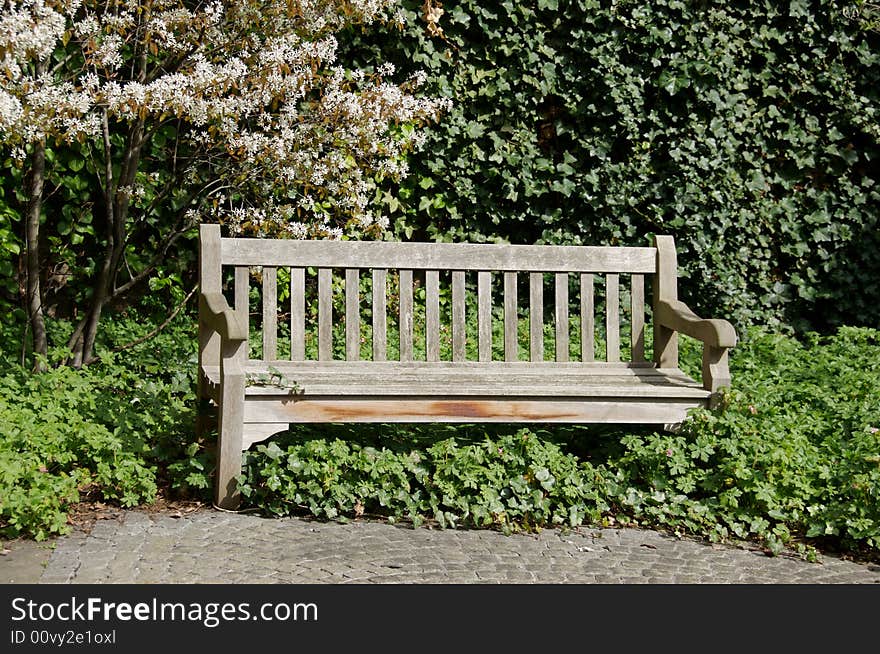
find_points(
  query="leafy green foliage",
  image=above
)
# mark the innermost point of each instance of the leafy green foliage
(790, 458)
(749, 131)
(113, 431)
(512, 481)
(795, 449)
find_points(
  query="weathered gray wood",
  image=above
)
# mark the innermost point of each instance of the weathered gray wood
(230, 424)
(325, 314)
(588, 320)
(561, 317)
(478, 367)
(637, 314)
(717, 336)
(406, 315)
(458, 315)
(270, 313)
(612, 317)
(242, 296)
(716, 370)
(484, 314)
(572, 372)
(297, 314)
(432, 315)
(665, 289)
(352, 315)
(210, 281)
(219, 319)
(678, 316)
(380, 315)
(256, 432)
(434, 390)
(373, 386)
(511, 318)
(571, 410)
(437, 256)
(242, 291)
(536, 316)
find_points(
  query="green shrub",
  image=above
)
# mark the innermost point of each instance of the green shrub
(512, 481)
(791, 457)
(794, 450)
(112, 431)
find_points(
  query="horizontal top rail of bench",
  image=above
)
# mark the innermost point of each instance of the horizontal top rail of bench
(438, 256)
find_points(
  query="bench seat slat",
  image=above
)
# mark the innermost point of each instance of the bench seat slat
(380, 380)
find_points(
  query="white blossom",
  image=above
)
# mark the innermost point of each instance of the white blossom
(257, 84)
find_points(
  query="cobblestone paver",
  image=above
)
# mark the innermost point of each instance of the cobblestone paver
(216, 547)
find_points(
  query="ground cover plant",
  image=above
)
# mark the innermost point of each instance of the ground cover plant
(116, 431)
(789, 459)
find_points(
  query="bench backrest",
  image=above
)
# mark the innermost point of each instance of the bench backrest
(622, 268)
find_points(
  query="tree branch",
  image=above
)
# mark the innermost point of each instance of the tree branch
(163, 325)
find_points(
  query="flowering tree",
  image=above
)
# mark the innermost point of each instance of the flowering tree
(271, 135)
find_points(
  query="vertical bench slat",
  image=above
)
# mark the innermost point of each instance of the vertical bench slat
(242, 296)
(588, 321)
(297, 314)
(638, 317)
(406, 315)
(612, 317)
(380, 318)
(536, 316)
(270, 313)
(458, 316)
(432, 315)
(325, 314)
(510, 317)
(561, 316)
(484, 314)
(352, 315)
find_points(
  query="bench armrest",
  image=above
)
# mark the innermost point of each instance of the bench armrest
(717, 336)
(678, 316)
(215, 313)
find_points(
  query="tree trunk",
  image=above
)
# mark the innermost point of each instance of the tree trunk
(117, 202)
(34, 299)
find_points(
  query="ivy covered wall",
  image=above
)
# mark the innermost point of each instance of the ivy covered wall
(748, 130)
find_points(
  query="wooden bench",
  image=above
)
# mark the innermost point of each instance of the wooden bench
(484, 388)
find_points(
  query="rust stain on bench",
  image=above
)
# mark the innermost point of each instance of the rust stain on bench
(479, 409)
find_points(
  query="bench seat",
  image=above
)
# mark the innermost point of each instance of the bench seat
(346, 391)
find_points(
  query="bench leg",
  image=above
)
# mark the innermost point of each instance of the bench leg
(229, 445)
(716, 370)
